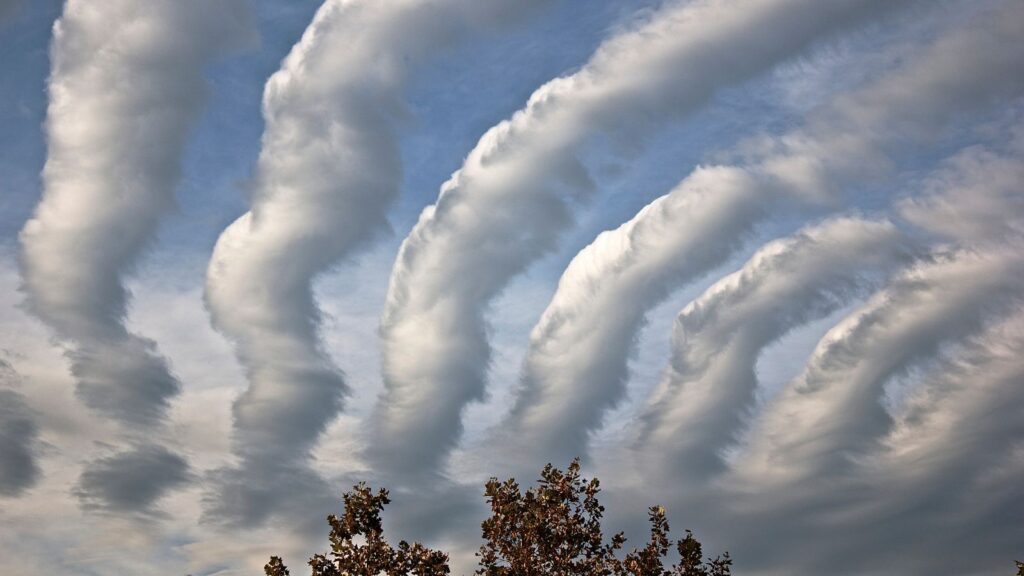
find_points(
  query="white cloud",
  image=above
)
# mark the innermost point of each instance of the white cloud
(512, 197)
(328, 171)
(833, 411)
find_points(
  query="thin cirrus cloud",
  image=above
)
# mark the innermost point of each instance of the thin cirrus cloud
(509, 202)
(586, 334)
(126, 86)
(327, 173)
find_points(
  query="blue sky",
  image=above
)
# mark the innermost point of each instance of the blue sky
(757, 260)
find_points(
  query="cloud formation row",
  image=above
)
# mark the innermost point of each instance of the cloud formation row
(893, 204)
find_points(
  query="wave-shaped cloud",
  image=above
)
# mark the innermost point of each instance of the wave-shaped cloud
(510, 201)
(576, 366)
(709, 388)
(328, 171)
(894, 200)
(834, 411)
(126, 86)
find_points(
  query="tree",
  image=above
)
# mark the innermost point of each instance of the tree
(555, 529)
(374, 555)
(552, 529)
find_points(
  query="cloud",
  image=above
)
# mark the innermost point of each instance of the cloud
(19, 438)
(962, 419)
(126, 85)
(247, 496)
(328, 171)
(955, 451)
(709, 387)
(976, 197)
(905, 418)
(511, 199)
(973, 65)
(576, 366)
(132, 481)
(898, 450)
(833, 411)
(950, 458)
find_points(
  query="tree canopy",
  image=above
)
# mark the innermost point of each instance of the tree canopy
(553, 528)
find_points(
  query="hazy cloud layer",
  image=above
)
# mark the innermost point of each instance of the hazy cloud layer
(511, 199)
(126, 85)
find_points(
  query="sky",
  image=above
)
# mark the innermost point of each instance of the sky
(758, 261)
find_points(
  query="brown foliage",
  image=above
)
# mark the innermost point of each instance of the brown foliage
(553, 529)
(374, 555)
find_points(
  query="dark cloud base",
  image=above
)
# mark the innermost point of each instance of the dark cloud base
(132, 481)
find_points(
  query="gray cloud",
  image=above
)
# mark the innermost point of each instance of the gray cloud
(976, 197)
(328, 171)
(133, 480)
(19, 438)
(953, 452)
(830, 454)
(576, 367)
(833, 411)
(249, 495)
(974, 64)
(125, 378)
(508, 203)
(709, 387)
(126, 85)
(939, 491)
